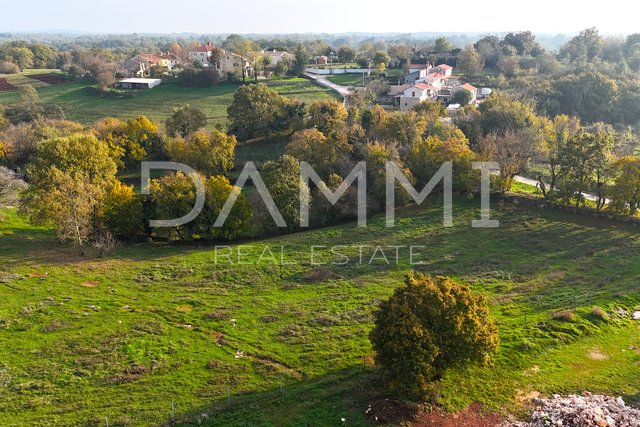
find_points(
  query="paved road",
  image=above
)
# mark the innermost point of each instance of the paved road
(343, 91)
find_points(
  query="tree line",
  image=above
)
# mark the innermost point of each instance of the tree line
(75, 172)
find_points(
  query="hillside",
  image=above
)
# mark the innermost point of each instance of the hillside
(286, 343)
(83, 105)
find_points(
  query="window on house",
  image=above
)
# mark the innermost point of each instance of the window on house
(413, 94)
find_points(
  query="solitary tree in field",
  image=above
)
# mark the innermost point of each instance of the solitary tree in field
(430, 325)
(185, 121)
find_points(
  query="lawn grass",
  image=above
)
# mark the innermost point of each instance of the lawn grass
(123, 336)
(85, 106)
(347, 79)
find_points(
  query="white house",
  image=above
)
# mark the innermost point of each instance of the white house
(232, 63)
(141, 64)
(469, 88)
(277, 55)
(415, 94)
(201, 54)
(445, 69)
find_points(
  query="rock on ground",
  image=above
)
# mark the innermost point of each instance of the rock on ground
(581, 411)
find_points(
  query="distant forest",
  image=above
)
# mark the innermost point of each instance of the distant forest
(157, 42)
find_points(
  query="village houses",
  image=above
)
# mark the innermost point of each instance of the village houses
(277, 56)
(141, 64)
(423, 81)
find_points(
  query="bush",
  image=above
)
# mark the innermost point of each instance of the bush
(461, 96)
(185, 121)
(24, 113)
(7, 67)
(564, 316)
(599, 314)
(198, 77)
(428, 326)
(123, 214)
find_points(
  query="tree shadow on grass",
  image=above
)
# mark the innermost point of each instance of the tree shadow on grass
(325, 400)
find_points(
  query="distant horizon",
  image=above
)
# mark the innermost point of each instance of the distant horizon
(309, 33)
(329, 17)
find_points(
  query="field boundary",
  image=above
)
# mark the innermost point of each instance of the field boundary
(539, 203)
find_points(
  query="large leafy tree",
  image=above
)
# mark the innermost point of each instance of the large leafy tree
(122, 212)
(185, 121)
(427, 156)
(69, 178)
(322, 153)
(173, 196)
(585, 161)
(469, 61)
(346, 54)
(625, 193)
(429, 325)
(557, 134)
(132, 141)
(328, 116)
(282, 178)
(253, 110)
(237, 223)
(591, 95)
(210, 153)
(583, 47)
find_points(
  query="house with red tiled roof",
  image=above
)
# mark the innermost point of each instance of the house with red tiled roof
(277, 55)
(228, 62)
(140, 65)
(444, 69)
(415, 94)
(201, 54)
(469, 88)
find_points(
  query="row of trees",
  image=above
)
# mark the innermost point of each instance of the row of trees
(571, 159)
(72, 169)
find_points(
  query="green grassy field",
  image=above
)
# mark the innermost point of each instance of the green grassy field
(86, 107)
(123, 336)
(347, 79)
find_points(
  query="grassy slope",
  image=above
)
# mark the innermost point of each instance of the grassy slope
(158, 103)
(158, 324)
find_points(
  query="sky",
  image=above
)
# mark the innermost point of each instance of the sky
(327, 16)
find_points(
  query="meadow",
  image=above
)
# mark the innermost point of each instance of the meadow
(282, 340)
(82, 104)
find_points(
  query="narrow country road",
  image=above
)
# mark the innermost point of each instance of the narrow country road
(533, 182)
(343, 91)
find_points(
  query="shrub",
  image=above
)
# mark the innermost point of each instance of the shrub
(7, 67)
(198, 78)
(427, 326)
(598, 313)
(564, 316)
